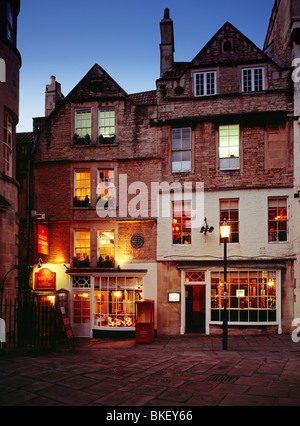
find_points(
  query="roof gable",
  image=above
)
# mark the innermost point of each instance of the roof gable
(242, 49)
(94, 85)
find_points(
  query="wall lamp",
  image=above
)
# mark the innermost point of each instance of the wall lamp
(40, 263)
(205, 228)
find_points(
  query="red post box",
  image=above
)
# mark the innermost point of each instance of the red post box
(144, 321)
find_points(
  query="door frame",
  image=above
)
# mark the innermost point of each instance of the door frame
(207, 302)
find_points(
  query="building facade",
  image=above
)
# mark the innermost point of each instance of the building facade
(10, 63)
(129, 192)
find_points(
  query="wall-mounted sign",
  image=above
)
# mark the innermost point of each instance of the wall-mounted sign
(137, 241)
(45, 279)
(174, 297)
(43, 240)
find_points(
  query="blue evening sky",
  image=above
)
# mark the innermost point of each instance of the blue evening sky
(66, 38)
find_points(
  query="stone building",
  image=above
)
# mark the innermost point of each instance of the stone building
(10, 63)
(283, 44)
(130, 191)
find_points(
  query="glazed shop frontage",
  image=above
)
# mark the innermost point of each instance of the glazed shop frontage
(259, 297)
(104, 302)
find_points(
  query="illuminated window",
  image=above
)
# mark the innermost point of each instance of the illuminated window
(7, 145)
(277, 219)
(229, 211)
(181, 226)
(106, 249)
(229, 147)
(82, 247)
(82, 188)
(251, 296)
(106, 190)
(181, 150)
(81, 308)
(205, 83)
(107, 130)
(83, 127)
(253, 79)
(114, 301)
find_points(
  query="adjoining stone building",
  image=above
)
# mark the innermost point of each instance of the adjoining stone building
(103, 166)
(10, 63)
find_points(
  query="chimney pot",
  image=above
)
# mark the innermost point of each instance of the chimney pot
(167, 13)
(52, 79)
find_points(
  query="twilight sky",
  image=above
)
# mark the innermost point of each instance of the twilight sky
(66, 38)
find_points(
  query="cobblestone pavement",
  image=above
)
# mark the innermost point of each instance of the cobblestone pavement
(186, 371)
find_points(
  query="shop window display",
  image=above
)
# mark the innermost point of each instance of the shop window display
(114, 301)
(251, 296)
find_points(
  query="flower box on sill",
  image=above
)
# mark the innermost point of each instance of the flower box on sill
(103, 140)
(109, 262)
(81, 140)
(77, 202)
(81, 263)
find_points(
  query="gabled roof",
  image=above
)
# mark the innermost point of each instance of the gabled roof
(97, 83)
(242, 50)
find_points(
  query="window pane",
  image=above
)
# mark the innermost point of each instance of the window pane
(181, 227)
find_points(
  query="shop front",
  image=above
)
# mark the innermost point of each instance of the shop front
(102, 303)
(253, 298)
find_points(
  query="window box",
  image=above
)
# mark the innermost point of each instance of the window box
(77, 202)
(81, 140)
(109, 262)
(81, 263)
(103, 140)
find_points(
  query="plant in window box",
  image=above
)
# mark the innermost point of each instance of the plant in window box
(109, 262)
(104, 139)
(77, 263)
(77, 202)
(82, 140)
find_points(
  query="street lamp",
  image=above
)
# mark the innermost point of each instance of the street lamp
(225, 233)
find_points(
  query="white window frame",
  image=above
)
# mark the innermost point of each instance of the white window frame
(108, 250)
(181, 150)
(105, 134)
(231, 162)
(207, 90)
(253, 70)
(83, 130)
(88, 248)
(81, 187)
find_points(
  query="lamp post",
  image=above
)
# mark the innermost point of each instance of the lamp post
(225, 233)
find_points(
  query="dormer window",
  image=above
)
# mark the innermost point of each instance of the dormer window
(253, 79)
(205, 83)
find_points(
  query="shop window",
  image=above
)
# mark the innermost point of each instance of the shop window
(7, 145)
(106, 190)
(205, 83)
(277, 219)
(181, 226)
(229, 211)
(252, 296)
(229, 147)
(83, 127)
(253, 79)
(106, 249)
(82, 248)
(181, 150)
(114, 301)
(82, 188)
(107, 131)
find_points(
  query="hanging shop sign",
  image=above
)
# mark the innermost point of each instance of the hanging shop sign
(45, 279)
(43, 240)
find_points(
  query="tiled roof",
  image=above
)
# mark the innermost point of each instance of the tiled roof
(24, 138)
(177, 70)
(145, 98)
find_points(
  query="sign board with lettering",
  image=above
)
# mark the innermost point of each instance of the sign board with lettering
(66, 322)
(45, 279)
(43, 240)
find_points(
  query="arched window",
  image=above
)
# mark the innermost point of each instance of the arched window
(227, 46)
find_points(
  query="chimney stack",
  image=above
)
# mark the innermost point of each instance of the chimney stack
(167, 43)
(53, 95)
